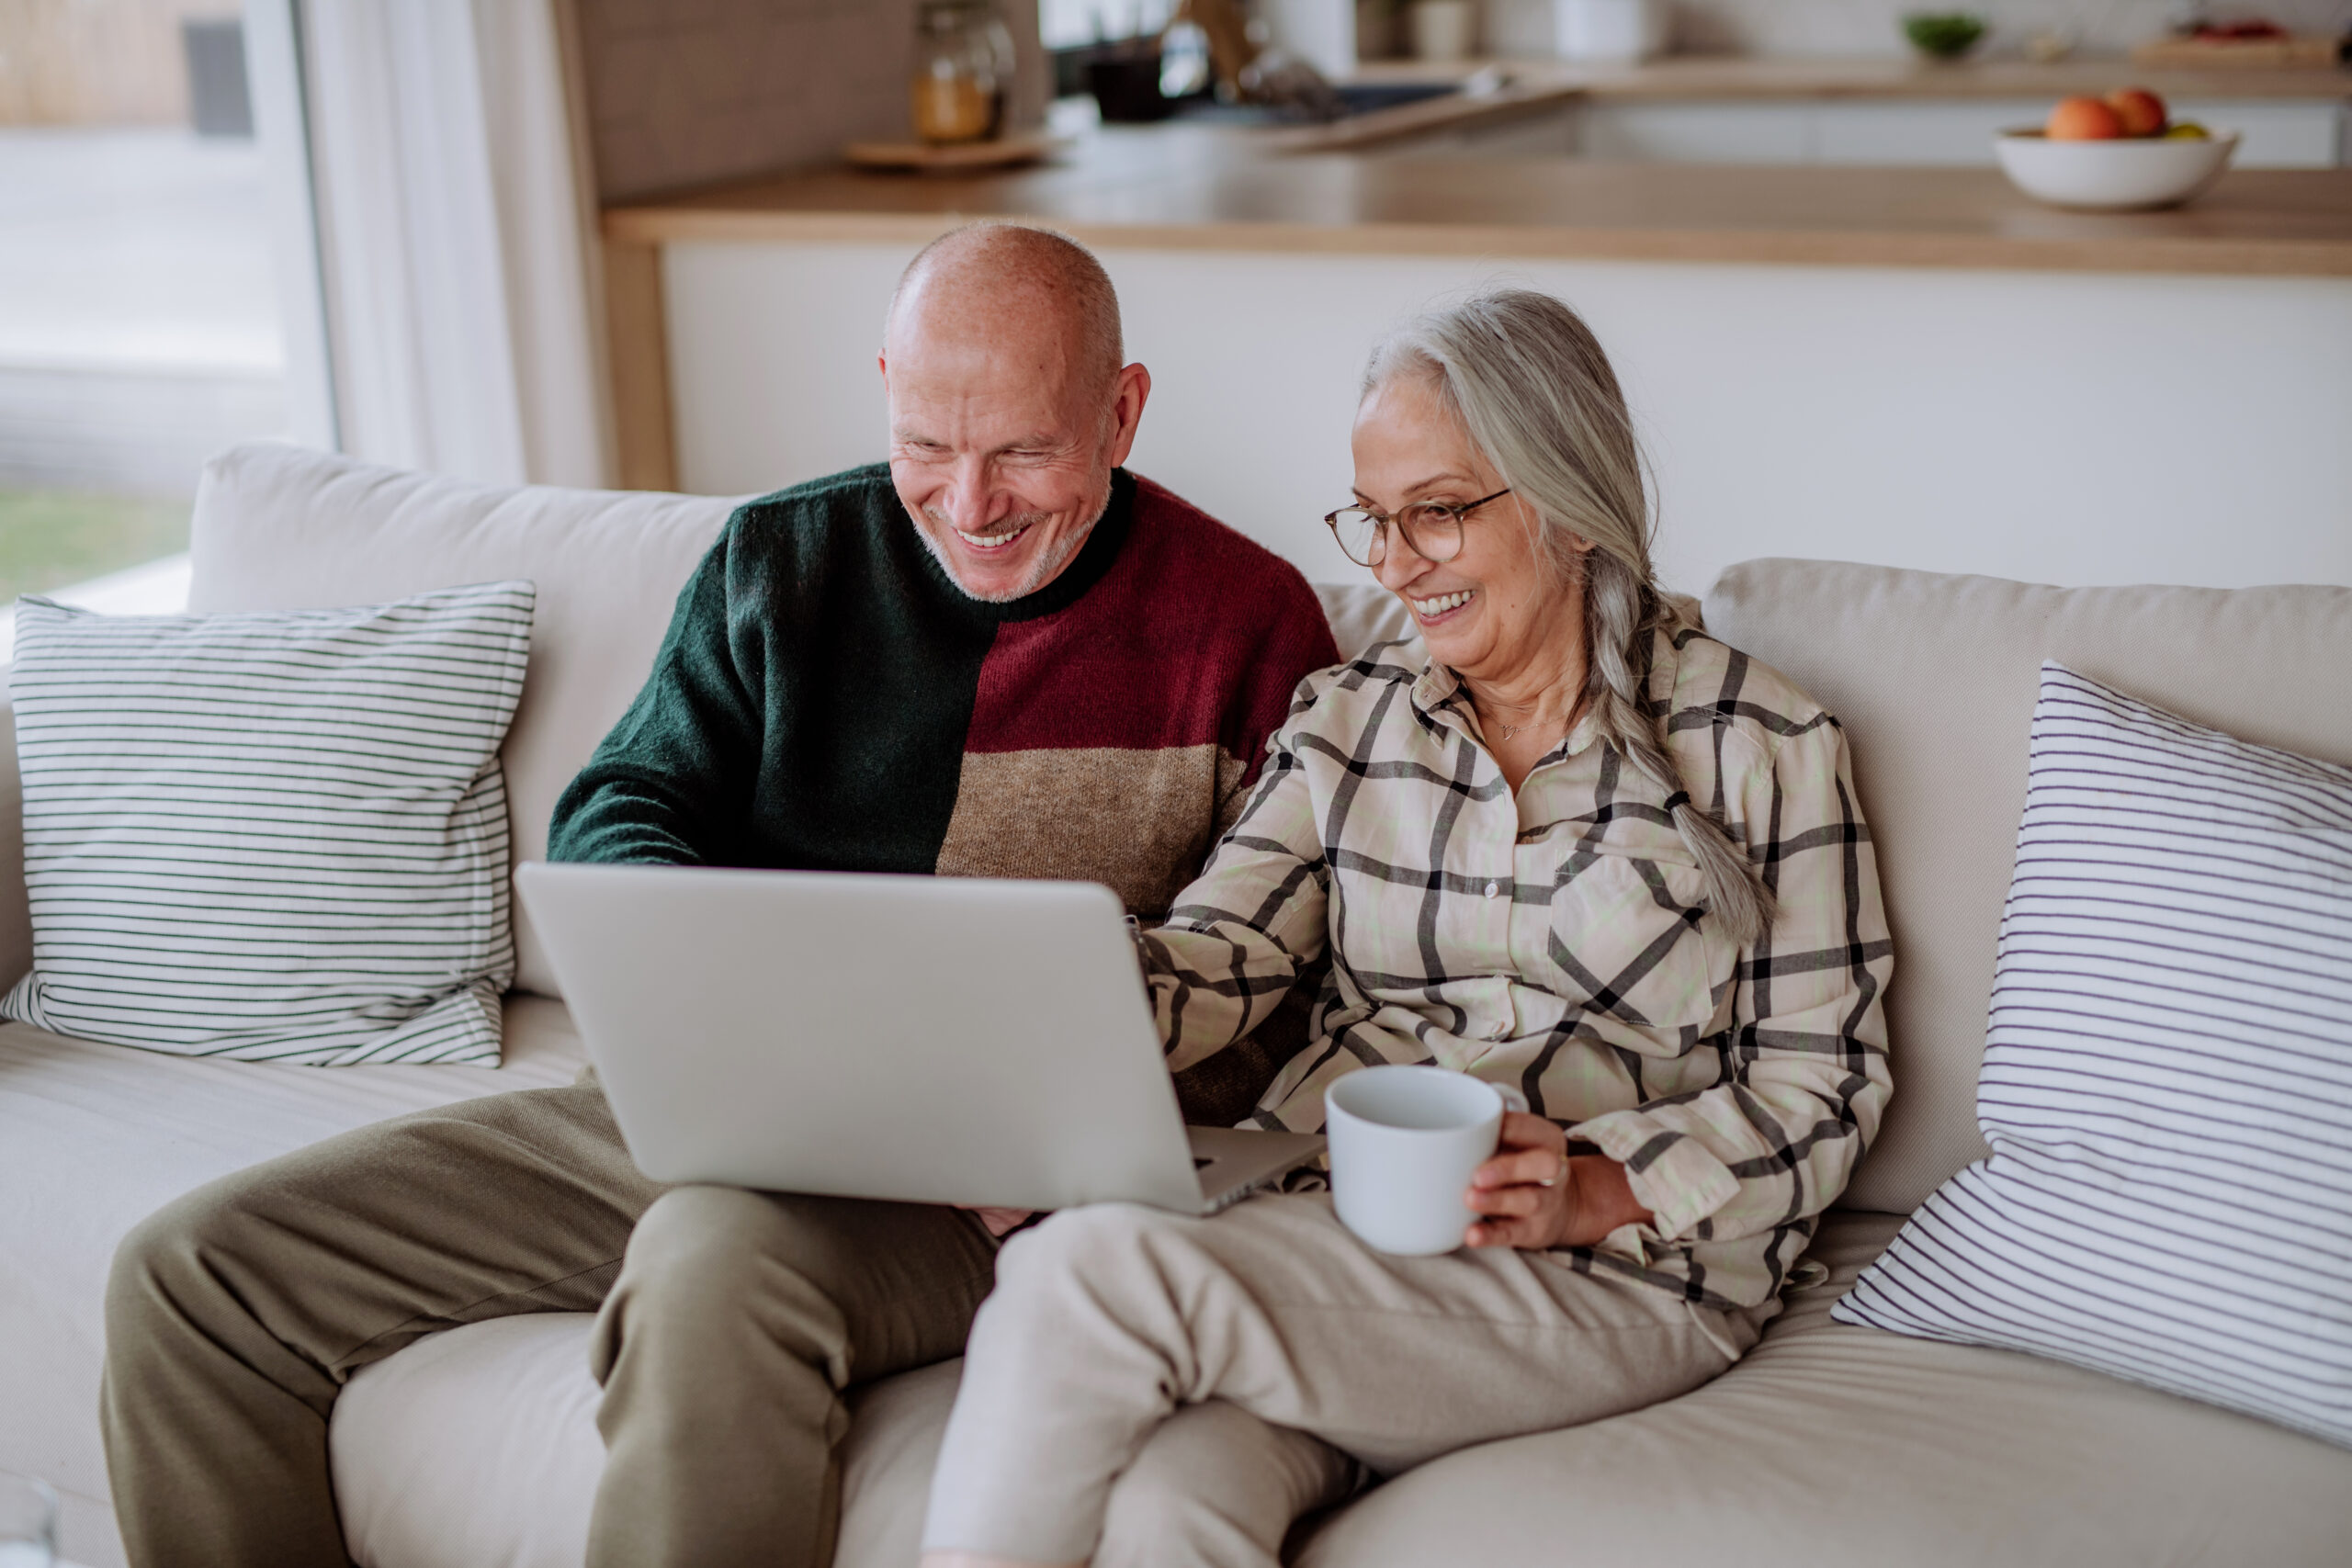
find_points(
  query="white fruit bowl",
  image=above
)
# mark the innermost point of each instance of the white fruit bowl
(2123, 175)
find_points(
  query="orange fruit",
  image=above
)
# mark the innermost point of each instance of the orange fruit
(2084, 120)
(2142, 112)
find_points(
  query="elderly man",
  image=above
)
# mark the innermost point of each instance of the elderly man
(1001, 654)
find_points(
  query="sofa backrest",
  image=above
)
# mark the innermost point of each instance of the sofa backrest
(282, 527)
(1934, 678)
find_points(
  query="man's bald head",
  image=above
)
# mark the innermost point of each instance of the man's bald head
(1009, 408)
(1005, 280)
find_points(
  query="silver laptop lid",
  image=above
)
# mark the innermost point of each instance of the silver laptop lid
(921, 1038)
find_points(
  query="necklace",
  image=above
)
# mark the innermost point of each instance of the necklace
(1511, 731)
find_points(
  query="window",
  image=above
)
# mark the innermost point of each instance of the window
(1073, 24)
(139, 320)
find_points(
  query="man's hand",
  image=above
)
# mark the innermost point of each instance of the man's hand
(1535, 1194)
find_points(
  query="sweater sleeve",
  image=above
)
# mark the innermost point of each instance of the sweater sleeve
(1296, 643)
(1807, 1079)
(671, 782)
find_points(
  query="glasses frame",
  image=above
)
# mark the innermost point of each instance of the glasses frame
(1414, 539)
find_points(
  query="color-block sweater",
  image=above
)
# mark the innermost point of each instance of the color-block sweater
(826, 698)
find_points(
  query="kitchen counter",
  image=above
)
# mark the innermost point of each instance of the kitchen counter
(1734, 76)
(1197, 187)
(1911, 366)
(1734, 79)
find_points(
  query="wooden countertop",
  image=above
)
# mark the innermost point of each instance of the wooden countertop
(1197, 187)
(1535, 85)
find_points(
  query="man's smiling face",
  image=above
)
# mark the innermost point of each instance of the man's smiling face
(1007, 415)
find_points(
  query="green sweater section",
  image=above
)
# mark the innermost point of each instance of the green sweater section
(809, 706)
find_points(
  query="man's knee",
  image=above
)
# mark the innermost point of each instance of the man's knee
(697, 1241)
(174, 1255)
(708, 1259)
(707, 1264)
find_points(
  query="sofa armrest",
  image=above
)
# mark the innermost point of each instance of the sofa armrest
(15, 912)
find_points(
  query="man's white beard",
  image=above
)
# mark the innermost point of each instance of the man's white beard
(1042, 573)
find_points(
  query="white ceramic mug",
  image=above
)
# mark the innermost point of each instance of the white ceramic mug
(1404, 1143)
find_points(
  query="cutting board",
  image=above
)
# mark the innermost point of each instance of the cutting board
(954, 157)
(2292, 53)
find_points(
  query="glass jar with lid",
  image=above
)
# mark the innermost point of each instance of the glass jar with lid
(963, 69)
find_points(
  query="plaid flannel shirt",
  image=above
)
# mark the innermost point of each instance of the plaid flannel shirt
(1554, 942)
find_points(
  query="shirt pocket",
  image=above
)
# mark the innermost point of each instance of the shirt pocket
(1629, 945)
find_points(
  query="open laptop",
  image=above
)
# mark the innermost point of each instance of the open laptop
(931, 1039)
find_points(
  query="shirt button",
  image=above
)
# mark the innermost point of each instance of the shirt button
(1493, 888)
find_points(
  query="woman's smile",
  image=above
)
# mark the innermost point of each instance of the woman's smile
(1441, 609)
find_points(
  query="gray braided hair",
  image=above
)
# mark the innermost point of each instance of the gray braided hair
(1530, 386)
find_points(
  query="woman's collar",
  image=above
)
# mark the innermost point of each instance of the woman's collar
(1439, 694)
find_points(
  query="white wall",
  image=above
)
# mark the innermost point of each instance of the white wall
(678, 94)
(2060, 428)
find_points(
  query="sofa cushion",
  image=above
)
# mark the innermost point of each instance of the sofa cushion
(1934, 678)
(479, 1446)
(1362, 614)
(276, 835)
(283, 528)
(1832, 1446)
(97, 1137)
(1827, 1447)
(2167, 1081)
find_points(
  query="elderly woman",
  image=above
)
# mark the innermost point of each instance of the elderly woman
(1560, 839)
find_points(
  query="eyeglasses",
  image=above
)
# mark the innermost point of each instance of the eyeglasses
(1433, 529)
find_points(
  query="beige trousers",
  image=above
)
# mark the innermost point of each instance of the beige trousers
(1114, 1328)
(731, 1323)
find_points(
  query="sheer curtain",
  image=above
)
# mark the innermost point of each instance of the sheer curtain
(454, 238)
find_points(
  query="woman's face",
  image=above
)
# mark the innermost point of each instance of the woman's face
(1493, 607)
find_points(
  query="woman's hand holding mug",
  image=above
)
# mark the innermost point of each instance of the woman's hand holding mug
(1425, 1161)
(1535, 1194)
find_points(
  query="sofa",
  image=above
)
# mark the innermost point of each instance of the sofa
(1830, 1444)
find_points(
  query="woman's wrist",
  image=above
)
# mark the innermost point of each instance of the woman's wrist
(1605, 1200)
(1541, 1191)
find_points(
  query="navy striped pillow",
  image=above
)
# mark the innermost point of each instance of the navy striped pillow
(2167, 1079)
(271, 836)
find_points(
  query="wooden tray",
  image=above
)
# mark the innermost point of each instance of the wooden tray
(2295, 53)
(955, 158)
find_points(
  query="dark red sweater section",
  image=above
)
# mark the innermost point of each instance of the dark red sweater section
(1194, 636)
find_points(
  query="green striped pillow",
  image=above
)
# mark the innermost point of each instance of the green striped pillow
(275, 836)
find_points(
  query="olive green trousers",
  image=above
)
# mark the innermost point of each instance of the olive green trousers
(730, 1325)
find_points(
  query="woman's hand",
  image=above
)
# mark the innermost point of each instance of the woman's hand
(1535, 1194)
